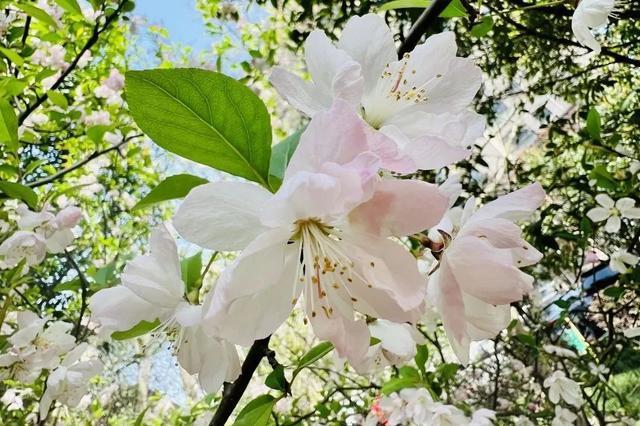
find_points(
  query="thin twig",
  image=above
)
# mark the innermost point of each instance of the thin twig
(81, 163)
(84, 289)
(97, 30)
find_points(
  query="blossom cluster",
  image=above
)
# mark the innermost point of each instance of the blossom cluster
(333, 239)
(412, 406)
(37, 234)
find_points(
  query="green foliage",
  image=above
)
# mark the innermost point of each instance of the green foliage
(594, 125)
(171, 188)
(37, 13)
(314, 354)
(482, 28)
(276, 379)
(280, 156)
(21, 192)
(203, 116)
(8, 126)
(143, 327)
(400, 4)
(257, 412)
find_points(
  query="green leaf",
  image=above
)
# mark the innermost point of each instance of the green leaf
(103, 276)
(594, 126)
(191, 268)
(403, 4)
(526, 339)
(203, 116)
(454, 10)
(276, 379)
(257, 412)
(8, 126)
(603, 178)
(398, 383)
(143, 327)
(447, 371)
(173, 187)
(58, 99)
(21, 192)
(483, 27)
(282, 153)
(614, 292)
(11, 86)
(70, 6)
(96, 133)
(421, 358)
(314, 354)
(72, 285)
(13, 56)
(140, 418)
(37, 13)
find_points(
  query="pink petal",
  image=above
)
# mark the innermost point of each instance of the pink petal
(486, 272)
(400, 207)
(517, 205)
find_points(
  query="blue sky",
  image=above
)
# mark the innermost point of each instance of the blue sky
(179, 17)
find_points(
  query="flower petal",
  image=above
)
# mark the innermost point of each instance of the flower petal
(385, 265)
(302, 95)
(400, 207)
(222, 215)
(613, 224)
(373, 51)
(486, 272)
(583, 33)
(254, 295)
(118, 309)
(517, 205)
(157, 277)
(598, 214)
(605, 201)
(331, 69)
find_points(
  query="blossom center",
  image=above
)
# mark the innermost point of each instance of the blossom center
(325, 271)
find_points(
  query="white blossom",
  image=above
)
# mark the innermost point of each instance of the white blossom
(612, 211)
(562, 387)
(622, 261)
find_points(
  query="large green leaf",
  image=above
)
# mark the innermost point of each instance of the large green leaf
(8, 126)
(21, 192)
(173, 187)
(191, 268)
(483, 27)
(203, 116)
(257, 412)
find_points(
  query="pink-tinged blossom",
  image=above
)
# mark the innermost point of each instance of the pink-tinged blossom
(111, 87)
(418, 102)
(478, 274)
(324, 234)
(152, 289)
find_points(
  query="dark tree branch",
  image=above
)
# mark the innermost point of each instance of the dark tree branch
(97, 30)
(547, 36)
(84, 288)
(233, 392)
(80, 163)
(425, 20)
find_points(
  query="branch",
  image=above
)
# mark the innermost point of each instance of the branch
(84, 287)
(97, 30)
(233, 392)
(545, 36)
(425, 20)
(81, 163)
